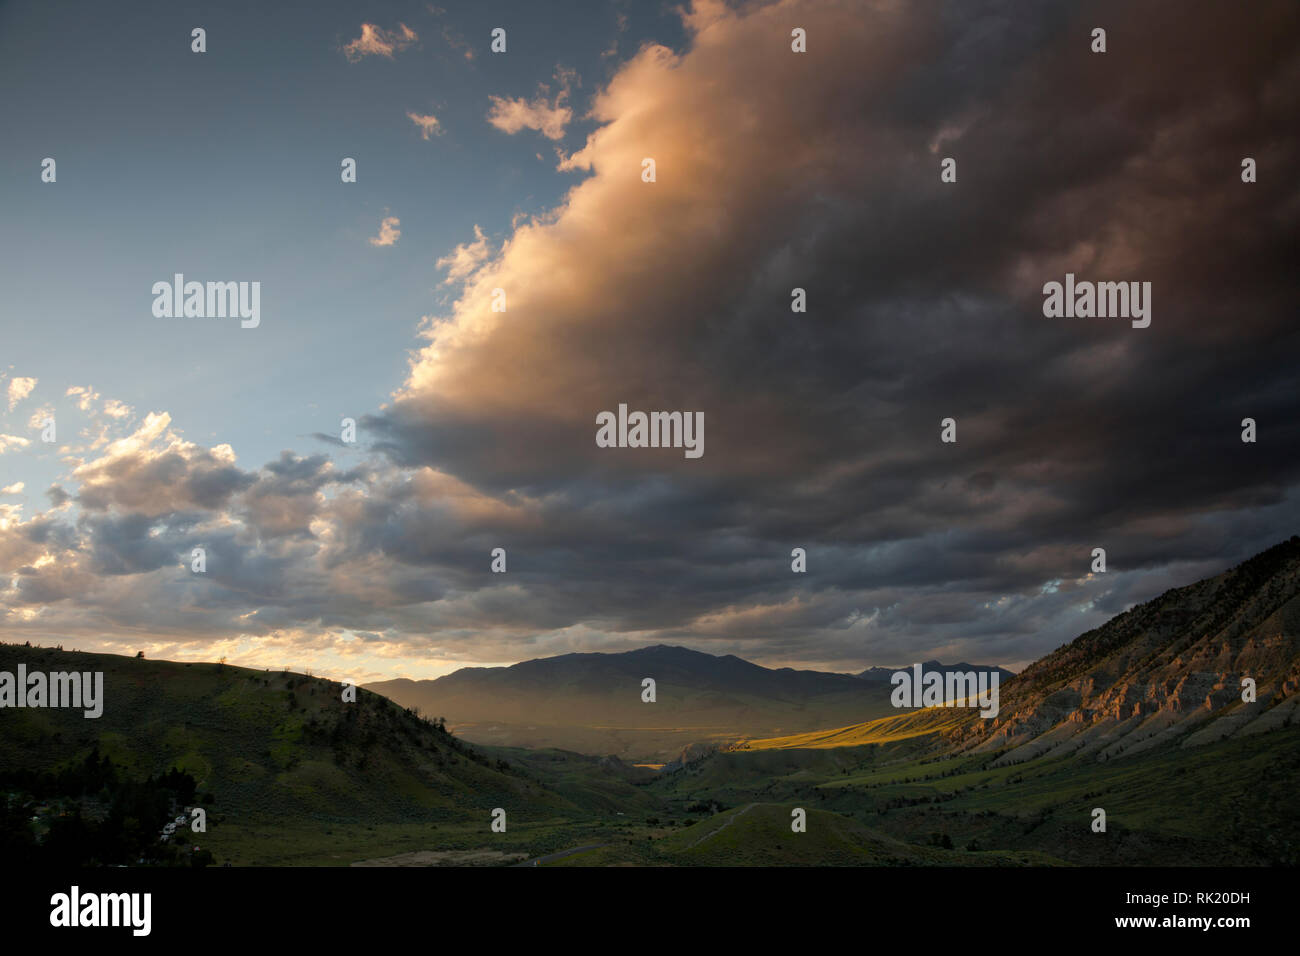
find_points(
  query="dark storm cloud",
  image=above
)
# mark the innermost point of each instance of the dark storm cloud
(822, 429)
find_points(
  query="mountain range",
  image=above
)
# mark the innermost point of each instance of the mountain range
(593, 703)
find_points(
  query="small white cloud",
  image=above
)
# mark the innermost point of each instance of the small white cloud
(388, 232)
(84, 396)
(15, 489)
(510, 116)
(375, 41)
(39, 417)
(548, 117)
(19, 388)
(12, 441)
(428, 124)
(465, 258)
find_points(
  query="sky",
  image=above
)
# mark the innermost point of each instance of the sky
(523, 171)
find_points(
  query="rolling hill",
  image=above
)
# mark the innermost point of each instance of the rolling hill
(262, 744)
(1143, 718)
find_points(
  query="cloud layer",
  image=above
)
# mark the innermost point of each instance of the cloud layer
(775, 171)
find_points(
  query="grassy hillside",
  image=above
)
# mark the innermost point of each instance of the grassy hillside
(1226, 803)
(264, 744)
(294, 780)
(759, 834)
(885, 730)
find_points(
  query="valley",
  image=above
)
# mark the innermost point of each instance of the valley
(1141, 720)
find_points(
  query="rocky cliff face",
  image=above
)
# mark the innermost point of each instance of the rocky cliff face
(690, 754)
(1168, 672)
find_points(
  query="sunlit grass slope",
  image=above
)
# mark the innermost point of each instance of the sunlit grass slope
(932, 720)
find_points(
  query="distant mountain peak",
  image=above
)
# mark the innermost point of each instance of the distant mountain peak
(593, 701)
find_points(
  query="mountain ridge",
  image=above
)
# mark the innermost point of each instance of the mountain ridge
(591, 702)
(1167, 672)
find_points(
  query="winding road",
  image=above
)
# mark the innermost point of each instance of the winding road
(735, 816)
(555, 856)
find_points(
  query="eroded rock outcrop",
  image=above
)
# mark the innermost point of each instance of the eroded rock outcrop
(1169, 671)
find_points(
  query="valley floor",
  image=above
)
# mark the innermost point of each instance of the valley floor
(1227, 804)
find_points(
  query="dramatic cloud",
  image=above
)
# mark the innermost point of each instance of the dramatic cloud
(821, 172)
(777, 171)
(153, 472)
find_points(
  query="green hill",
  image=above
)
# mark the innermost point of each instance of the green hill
(759, 834)
(263, 744)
